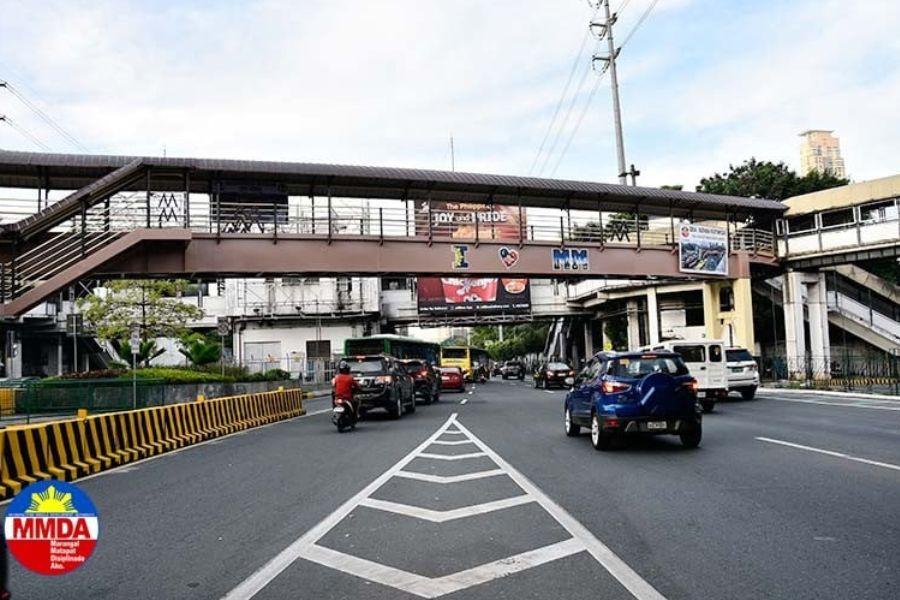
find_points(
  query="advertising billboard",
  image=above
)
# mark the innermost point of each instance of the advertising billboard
(470, 295)
(702, 249)
(467, 295)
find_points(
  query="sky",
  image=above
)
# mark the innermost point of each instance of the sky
(704, 83)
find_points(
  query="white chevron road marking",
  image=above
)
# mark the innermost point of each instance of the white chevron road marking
(449, 478)
(442, 516)
(450, 456)
(581, 540)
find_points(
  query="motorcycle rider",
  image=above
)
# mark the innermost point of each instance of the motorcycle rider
(345, 386)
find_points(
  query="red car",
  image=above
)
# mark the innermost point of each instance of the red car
(452, 378)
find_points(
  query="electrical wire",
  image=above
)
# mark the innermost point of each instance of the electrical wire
(24, 132)
(565, 121)
(596, 86)
(43, 116)
(562, 97)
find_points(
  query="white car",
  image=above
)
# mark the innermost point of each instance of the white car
(705, 359)
(743, 372)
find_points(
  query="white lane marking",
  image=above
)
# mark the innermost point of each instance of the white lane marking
(472, 392)
(549, 392)
(449, 478)
(442, 516)
(831, 453)
(464, 400)
(618, 568)
(453, 432)
(305, 544)
(428, 587)
(450, 456)
(859, 404)
(450, 442)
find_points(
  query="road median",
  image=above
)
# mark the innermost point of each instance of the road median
(73, 448)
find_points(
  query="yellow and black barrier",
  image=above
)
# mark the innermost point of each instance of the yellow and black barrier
(67, 450)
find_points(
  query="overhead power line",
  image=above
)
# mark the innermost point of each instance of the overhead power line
(596, 86)
(24, 132)
(562, 97)
(43, 115)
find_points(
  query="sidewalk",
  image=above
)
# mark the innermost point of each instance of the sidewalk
(769, 388)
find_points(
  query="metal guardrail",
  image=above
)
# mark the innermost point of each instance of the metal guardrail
(42, 398)
(100, 224)
(840, 371)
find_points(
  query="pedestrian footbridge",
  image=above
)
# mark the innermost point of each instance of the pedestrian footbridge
(102, 217)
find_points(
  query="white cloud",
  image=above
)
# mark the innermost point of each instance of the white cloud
(386, 82)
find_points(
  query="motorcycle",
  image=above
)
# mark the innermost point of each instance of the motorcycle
(343, 414)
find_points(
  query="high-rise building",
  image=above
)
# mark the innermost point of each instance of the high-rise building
(821, 151)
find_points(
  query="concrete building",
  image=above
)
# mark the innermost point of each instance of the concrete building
(821, 151)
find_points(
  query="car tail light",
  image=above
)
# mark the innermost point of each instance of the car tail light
(384, 379)
(753, 368)
(424, 371)
(609, 423)
(549, 373)
(571, 373)
(615, 387)
(691, 385)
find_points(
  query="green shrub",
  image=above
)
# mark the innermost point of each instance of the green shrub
(180, 375)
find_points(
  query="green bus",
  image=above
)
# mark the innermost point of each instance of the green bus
(394, 345)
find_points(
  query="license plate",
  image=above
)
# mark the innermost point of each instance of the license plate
(338, 409)
(656, 425)
(737, 369)
(445, 379)
(701, 394)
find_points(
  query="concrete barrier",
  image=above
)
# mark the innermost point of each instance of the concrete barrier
(67, 450)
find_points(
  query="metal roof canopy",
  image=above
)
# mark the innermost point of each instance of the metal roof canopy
(75, 171)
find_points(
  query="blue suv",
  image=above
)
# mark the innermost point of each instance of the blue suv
(634, 392)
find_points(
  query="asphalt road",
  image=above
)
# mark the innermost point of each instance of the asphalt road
(789, 496)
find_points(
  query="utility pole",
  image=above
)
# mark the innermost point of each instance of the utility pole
(606, 30)
(452, 155)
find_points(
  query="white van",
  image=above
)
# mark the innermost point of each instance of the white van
(705, 359)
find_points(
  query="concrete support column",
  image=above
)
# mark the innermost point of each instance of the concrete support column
(588, 339)
(634, 325)
(60, 368)
(819, 342)
(652, 316)
(794, 331)
(607, 342)
(742, 319)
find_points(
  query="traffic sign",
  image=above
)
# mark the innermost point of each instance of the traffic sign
(223, 326)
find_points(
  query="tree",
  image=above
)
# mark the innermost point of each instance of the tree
(154, 306)
(147, 351)
(200, 350)
(764, 179)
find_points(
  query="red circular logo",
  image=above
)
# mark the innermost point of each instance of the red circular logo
(51, 527)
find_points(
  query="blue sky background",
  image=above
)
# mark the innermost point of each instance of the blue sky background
(704, 82)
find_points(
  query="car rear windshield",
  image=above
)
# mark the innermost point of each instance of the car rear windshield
(639, 367)
(450, 370)
(691, 353)
(559, 367)
(366, 366)
(738, 355)
(453, 352)
(413, 365)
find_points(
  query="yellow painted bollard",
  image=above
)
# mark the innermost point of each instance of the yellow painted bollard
(201, 398)
(82, 413)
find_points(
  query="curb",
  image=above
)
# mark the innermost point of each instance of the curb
(829, 393)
